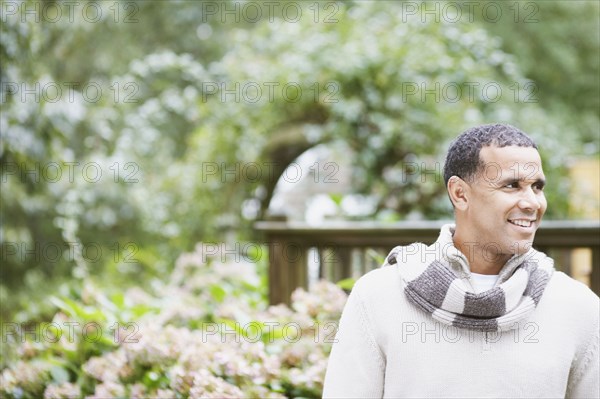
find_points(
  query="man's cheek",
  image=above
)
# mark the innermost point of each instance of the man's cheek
(544, 204)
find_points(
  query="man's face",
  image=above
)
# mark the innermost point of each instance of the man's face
(506, 201)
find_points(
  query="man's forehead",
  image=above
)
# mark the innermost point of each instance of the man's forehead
(521, 162)
(509, 155)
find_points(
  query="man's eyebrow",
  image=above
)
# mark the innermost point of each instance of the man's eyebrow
(539, 181)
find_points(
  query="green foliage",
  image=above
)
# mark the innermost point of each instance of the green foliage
(560, 56)
(365, 67)
(346, 284)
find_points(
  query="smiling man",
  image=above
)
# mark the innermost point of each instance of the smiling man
(479, 313)
(499, 201)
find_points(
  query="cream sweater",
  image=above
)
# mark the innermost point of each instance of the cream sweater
(387, 347)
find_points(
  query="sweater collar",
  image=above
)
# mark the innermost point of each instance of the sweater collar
(459, 263)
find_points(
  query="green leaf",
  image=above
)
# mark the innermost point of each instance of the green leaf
(337, 198)
(346, 284)
(218, 293)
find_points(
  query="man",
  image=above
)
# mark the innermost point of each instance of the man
(479, 313)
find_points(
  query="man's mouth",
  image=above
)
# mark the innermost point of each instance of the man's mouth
(522, 222)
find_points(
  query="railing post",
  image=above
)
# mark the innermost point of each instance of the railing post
(287, 268)
(277, 273)
(342, 263)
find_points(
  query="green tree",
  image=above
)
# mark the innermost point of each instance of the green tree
(166, 132)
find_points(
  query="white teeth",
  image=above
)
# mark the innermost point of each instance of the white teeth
(521, 222)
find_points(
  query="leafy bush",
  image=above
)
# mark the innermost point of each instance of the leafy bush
(206, 332)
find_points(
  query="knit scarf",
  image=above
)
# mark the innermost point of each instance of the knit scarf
(438, 290)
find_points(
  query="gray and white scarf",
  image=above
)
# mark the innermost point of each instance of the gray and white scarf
(450, 298)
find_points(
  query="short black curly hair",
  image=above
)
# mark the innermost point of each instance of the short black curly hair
(463, 159)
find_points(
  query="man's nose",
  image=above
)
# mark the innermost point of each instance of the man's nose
(530, 200)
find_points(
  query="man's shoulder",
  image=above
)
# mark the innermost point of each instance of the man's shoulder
(577, 289)
(384, 276)
(572, 295)
(380, 287)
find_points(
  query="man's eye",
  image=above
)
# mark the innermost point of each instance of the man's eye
(512, 185)
(539, 187)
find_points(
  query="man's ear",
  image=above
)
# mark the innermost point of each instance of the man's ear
(458, 191)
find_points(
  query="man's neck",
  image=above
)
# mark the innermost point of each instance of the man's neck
(480, 260)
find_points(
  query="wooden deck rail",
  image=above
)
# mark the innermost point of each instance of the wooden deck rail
(340, 250)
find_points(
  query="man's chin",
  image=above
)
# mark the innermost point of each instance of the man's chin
(522, 246)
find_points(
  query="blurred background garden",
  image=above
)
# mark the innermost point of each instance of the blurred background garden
(141, 141)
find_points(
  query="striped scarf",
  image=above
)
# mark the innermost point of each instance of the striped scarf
(438, 290)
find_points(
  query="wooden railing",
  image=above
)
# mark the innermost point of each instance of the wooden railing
(300, 253)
